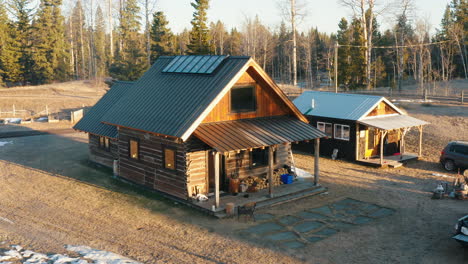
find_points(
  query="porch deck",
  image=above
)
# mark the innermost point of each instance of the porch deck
(389, 161)
(281, 194)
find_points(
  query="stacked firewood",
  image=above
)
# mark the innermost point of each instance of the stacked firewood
(259, 183)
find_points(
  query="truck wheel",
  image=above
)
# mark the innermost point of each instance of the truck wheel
(449, 165)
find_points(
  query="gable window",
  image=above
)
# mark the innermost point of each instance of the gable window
(325, 128)
(169, 158)
(104, 143)
(259, 157)
(134, 149)
(243, 99)
(341, 132)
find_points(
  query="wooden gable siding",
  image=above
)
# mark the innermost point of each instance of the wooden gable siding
(102, 156)
(382, 109)
(268, 103)
(149, 169)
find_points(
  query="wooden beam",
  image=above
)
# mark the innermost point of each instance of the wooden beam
(420, 140)
(216, 168)
(270, 171)
(316, 162)
(382, 136)
(358, 138)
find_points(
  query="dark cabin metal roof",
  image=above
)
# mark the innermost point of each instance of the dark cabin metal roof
(255, 133)
(91, 121)
(169, 103)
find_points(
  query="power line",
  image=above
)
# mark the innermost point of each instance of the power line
(393, 47)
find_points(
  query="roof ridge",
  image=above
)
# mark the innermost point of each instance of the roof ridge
(346, 94)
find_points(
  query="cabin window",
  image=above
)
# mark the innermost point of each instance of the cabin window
(169, 158)
(243, 99)
(325, 128)
(134, 149)
(341, 132)
(104, 143)
(259, 157)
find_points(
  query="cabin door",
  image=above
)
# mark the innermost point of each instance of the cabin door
(211, 172)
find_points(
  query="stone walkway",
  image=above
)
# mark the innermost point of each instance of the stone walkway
(315, 224)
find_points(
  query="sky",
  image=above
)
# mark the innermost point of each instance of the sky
(323, 14)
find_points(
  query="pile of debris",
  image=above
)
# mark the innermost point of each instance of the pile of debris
(458, 190)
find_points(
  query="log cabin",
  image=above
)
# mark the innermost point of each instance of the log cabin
(193, 124)
(364, 128)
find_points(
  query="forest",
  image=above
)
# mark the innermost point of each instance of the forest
(39, 44)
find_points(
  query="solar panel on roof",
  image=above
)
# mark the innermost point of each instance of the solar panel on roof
(194, 64)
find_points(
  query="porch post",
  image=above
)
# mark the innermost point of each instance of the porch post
(316, 160)
(270, 171)
(216, 169)
(420, 140)
(382, 136)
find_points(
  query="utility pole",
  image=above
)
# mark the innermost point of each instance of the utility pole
(336, 67)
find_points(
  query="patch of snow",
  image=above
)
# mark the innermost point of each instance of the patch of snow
(100, 256)
(87, 254)
(13, 120)
(3, 143)
(442, 175)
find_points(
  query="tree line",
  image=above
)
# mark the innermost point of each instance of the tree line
(122, 38)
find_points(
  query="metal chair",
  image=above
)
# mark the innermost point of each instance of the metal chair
(247, 209)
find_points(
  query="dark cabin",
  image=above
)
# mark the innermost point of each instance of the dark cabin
(191, 124)
(356, 125)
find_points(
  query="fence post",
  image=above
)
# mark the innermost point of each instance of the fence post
(14, 111)
(462, 96)
(47, 110)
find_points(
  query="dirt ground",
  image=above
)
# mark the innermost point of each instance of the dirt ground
(54, 197)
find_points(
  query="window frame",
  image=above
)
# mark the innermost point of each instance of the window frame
(254, 98)
(130, 148)
(102, 143)
(335, 128)
(325, 128)
(266, 150)
(164, 147)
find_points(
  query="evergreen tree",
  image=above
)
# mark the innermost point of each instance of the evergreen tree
(50, 54)
(130, 61)
(161, 37)
(234, 43)
(9, 67)
(343, 38)
(22, 35)
(357, 57)
(199, 36)
(100, 43)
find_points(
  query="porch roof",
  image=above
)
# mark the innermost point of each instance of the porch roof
(392, 122)
(255, 133)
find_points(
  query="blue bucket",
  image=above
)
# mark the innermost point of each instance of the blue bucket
(287, 178)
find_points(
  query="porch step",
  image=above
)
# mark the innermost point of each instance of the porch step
(395, 165)
(291, 197)
(282, 199)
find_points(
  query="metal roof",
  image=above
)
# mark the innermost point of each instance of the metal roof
(194, 64)
(170, 103)
(91, 121)
(393, 122)
(338, 105)
(254, 133)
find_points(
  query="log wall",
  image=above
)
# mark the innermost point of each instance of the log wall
(102, 156)
(149, 169)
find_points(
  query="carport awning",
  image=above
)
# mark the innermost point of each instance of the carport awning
(393, 122)
(255, 133)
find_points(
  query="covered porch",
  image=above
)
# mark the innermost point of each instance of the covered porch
(245, 139)
(388, 132)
